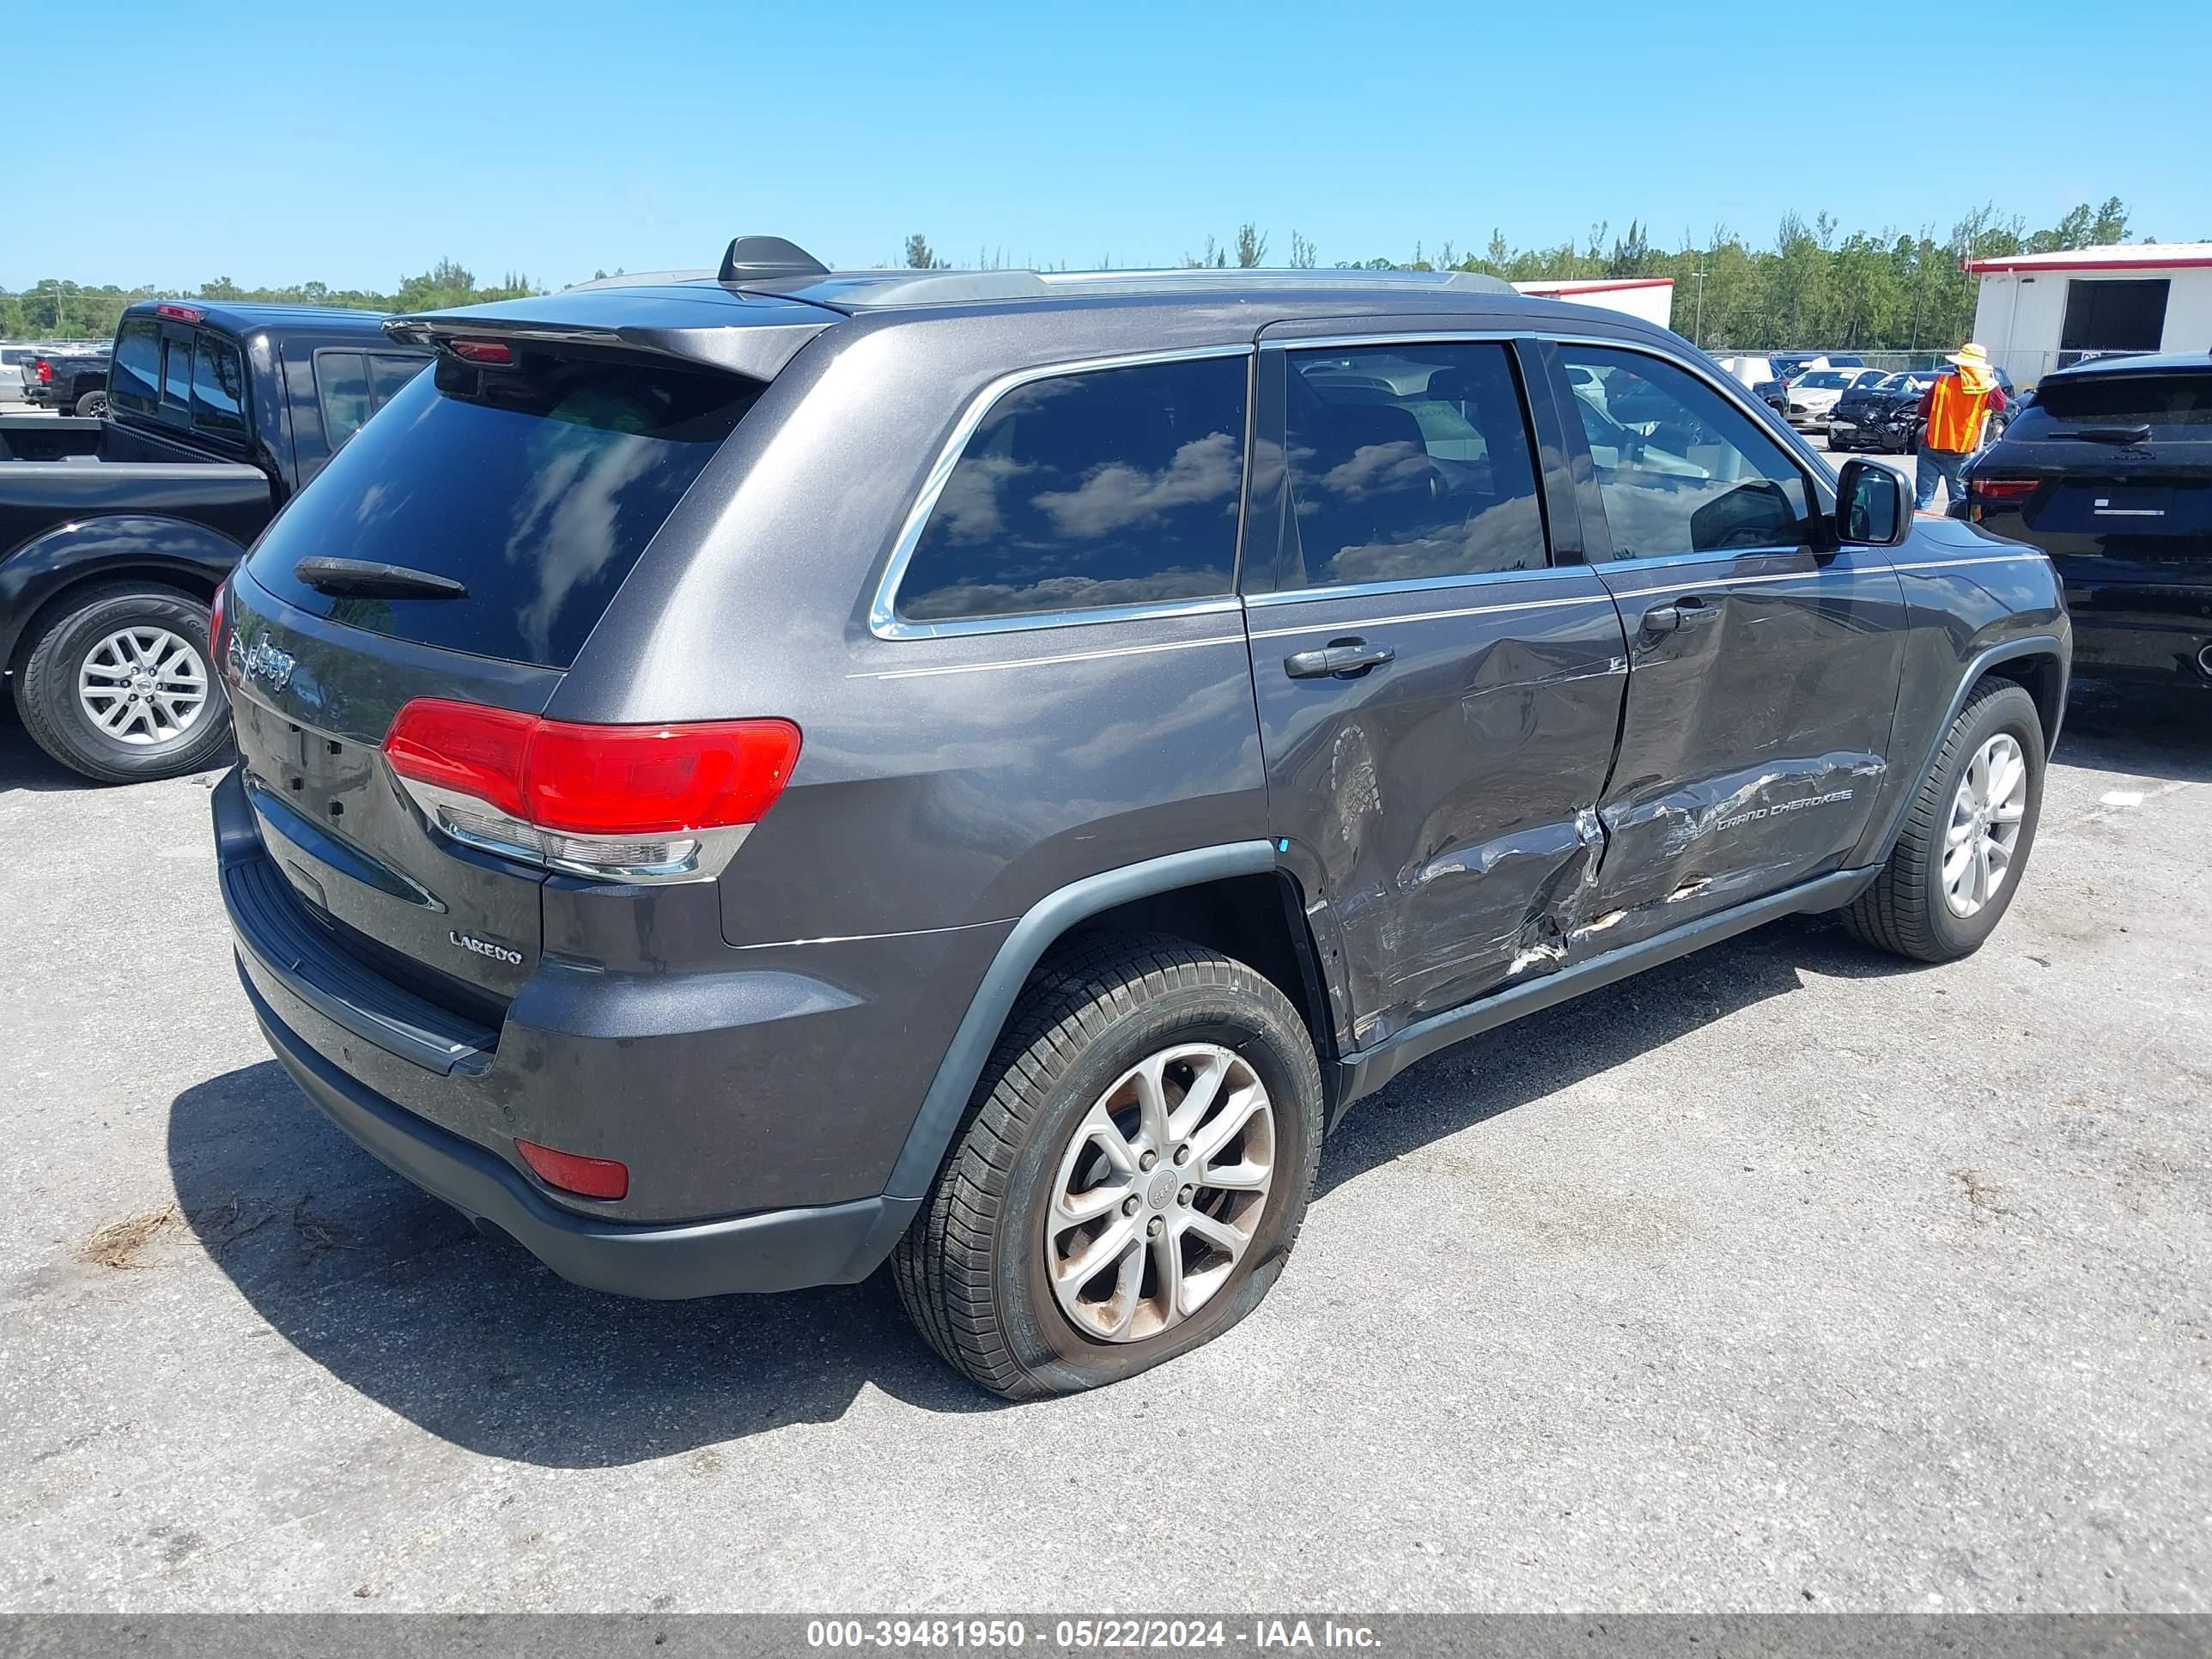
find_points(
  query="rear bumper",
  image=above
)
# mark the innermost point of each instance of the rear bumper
(2139, 631)
(777, 1250)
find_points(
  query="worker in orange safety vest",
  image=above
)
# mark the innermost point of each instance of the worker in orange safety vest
(1953, 412)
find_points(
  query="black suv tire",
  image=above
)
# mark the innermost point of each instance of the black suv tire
(46, 686)
(1905, 911)
(973, 1270)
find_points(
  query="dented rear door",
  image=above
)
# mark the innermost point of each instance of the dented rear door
(1439, 701)
(1762, 673)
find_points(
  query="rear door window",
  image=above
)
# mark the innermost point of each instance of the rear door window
(388, 374)
(1110, 487)
(1410, 463)
(536, 487)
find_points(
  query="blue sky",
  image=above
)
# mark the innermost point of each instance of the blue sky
(281, 143)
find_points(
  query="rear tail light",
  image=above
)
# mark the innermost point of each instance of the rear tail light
(46, 372)
(1998, 492)
(572, 1172)
(627, 803)
(214, 630)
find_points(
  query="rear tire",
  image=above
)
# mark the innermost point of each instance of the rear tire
(998, 1289)
(92, 403)
(82, 659)
(1915, 908)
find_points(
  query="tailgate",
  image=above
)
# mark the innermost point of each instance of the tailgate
(312, 700)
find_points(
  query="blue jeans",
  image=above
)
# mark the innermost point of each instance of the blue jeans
(1947, 465)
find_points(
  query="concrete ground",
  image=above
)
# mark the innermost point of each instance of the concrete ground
(1788, 1276)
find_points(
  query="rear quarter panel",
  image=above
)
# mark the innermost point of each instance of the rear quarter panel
(942, 782)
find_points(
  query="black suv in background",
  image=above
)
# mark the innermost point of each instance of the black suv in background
(2109, 470)
(750, 776)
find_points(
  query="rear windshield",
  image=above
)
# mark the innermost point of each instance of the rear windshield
(2181, 403)
(537, 487)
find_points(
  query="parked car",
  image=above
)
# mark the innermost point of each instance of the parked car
(744, 779)
(1880, 415)
(1812, 397)
(1752, 372)
(13, 357)
(2109, 470)
(72, 380)
(115, 533)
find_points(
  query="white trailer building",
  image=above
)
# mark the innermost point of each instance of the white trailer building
(1651, 298)
(2037, 311)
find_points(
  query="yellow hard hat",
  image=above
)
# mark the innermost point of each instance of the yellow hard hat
(1971, 353)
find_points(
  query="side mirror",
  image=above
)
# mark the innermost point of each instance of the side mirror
(1870, 508)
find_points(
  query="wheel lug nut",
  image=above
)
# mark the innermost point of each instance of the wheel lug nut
(1182, 1154)
(1131, 1206)
(1148, 1160)
(1186, 1194)
(1155, 1227)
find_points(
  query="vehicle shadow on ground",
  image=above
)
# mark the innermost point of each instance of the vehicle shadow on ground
(1533, 1058)
(24, 765)
(395, 1294)
(2147, 730)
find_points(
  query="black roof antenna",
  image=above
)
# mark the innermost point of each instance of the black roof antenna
(755, 259)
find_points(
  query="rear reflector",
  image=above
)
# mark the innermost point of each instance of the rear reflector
(572, 1172)
(481, 351)
(2003, 489)
(629, 802)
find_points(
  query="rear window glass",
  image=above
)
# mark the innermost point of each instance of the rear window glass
(1117, 486)
(341, 386)
(218, 389)
(135, 372)
(2174, 400)
(537, 487)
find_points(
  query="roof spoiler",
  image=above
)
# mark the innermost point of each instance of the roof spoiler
(759, 352)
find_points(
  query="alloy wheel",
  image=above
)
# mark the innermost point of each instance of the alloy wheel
(143, 685)
(1160, 1191)
(1987, 811)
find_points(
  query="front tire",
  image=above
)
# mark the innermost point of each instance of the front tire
(119, 686)
(1131, 1174)
(1960, 858)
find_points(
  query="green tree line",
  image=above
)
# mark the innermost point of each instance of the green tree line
(53, 309)
(1810, 286)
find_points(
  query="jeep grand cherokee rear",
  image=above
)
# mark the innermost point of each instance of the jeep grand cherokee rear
(745, 779)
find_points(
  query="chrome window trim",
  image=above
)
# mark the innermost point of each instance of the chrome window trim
(1533, 573)
(883, 620)
(1338, 625)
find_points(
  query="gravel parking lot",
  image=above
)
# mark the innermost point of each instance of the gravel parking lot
(1786, 1276)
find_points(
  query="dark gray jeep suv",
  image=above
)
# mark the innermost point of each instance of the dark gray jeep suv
(747, 777)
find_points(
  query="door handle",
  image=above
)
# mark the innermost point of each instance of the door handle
(1343, 659)
(1683, 613)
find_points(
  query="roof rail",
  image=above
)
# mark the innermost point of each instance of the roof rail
(755, 260)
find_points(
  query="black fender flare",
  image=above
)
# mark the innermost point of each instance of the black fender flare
(117, 545)
(1042, 924)
(2029, 645)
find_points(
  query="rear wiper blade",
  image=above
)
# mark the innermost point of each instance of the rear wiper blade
(371, 578)
(2108, 434)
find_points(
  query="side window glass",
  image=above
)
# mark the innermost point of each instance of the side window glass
(1115, 486)
(1680, 469)
(1408, 462)
(389, 373)
(341, 384)
(177, 372)
(218, 389)
(135, 372)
